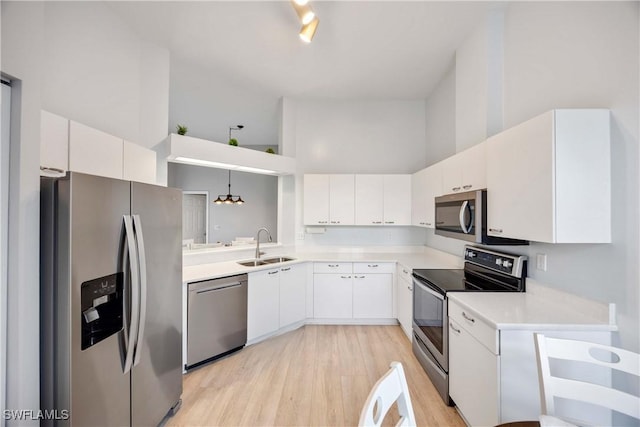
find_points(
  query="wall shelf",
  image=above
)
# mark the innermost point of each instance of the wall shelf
(201, 152)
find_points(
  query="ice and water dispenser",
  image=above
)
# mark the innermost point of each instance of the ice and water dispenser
(102, 308)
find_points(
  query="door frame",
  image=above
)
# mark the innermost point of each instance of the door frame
(206, 194)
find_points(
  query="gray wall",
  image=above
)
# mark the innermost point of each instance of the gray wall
(260, 192)
(579, 55)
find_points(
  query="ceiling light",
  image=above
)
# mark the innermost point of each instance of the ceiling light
(229, 198)
(304, 12)
(308, 31)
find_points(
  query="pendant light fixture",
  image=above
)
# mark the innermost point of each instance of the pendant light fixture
(229, 198)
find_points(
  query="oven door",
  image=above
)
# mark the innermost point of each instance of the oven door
(430, 321)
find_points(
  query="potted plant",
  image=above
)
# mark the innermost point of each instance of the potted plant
(270, 151)
(181, 129)
(233, 142)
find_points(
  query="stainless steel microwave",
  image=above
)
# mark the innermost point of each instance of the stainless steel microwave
(464, 216)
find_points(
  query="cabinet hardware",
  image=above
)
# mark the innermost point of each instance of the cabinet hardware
(389, 222)
(322, 222)
(285, 269)
(496, 230)
(427, 223)
(376, 222)
(333, 222)
(455, 188)
(453, 328)
(470, 319)
(468, 186)
(50, 169)
(410, 288)
(405, 271)
(358, 277)
(372, 265)
(333, 265)
(273, 272)
(345, 277)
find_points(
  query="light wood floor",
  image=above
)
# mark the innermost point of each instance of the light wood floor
(313, 376)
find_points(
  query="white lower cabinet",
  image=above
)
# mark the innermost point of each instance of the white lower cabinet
(473, 377)
(293, 294)
(404, 298)
(263, 303)
(358, 290)
(333, 296)
(372, 296)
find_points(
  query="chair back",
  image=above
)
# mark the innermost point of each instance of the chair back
(552, 386)
(390, 388)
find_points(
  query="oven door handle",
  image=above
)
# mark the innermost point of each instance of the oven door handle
(424, 287)
(463, 209)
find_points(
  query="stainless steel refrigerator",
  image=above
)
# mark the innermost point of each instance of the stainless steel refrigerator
(111, 301)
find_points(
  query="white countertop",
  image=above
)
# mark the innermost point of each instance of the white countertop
(539, 308)
(428, 258)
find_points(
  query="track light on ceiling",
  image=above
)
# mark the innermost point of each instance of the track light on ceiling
(308, 31)
(308, 19)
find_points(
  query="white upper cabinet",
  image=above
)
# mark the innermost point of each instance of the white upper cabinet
(341, 199)
(425, 186)
(397, 199)
(369, 199)
(549, 179)
(383, 199)
(94, 152)
(54, 144)
(465, 171)
(139, 163)
(328, 199)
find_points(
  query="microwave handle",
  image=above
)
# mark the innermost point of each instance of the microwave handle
(463, 208)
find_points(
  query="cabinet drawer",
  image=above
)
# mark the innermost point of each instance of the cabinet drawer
(470, 321)
(404, 273)
(332, 267)
(373, 267)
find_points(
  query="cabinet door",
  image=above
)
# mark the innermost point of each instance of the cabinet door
(94, 152)
(139, 163)
(372, 296)
(54, 144)
(473, 378)
(293, 293)
(418, 198)
(451, 174)
(425, 187)
(341, 199)
(263, 299)
(397, 199)
(473, 167)
(332, 296)
(369, 199)
(404, 297)
(316, 199)
(519, 181)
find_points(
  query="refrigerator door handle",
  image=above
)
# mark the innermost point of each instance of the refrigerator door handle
(135, 292)
(142, 258)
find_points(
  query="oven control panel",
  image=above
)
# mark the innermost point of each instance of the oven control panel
(511, 264)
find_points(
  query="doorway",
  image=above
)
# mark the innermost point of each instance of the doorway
(195, 216)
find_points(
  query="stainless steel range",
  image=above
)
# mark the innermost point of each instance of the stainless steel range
(484, 271)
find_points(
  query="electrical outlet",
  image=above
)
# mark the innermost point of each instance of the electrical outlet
(300, 235)
(541, 262)
(216, 227)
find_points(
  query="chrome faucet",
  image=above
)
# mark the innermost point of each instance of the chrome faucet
(258, 241)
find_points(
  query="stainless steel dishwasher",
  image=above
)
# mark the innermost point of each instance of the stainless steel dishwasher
(216, 318)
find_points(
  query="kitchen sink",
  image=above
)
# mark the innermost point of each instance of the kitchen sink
(277, 259)
(252, 263)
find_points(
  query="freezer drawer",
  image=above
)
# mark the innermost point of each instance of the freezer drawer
(216, 318)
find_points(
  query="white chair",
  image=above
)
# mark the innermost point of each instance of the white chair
(595, 354)
(390, 388)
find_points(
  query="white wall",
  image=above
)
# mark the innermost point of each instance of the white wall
(260, 192)
(98, 72)
(440, 119)
(564, 55)
(22, 59)
(357, 137)
(208, 104)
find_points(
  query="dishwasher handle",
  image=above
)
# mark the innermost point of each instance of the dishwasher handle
(216, 288)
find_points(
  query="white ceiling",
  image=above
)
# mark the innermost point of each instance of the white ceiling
(362, 49)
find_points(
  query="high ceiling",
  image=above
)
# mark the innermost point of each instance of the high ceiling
(362, 49)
